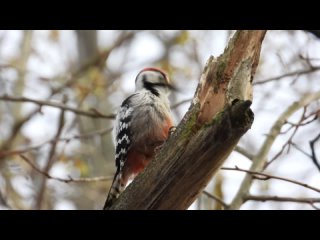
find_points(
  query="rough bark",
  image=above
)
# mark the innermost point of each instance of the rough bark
(217, 118)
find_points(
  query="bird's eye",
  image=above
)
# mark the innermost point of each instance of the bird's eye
(144, 78)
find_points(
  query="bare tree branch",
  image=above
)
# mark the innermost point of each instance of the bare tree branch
(65, 180)
(26, 49)
(301, 123)
(50, 160)
(294, 73)
(98, 61)
(257, 175)
(66, 139)
(300, 150)
(15, 130)
(244, 152)
(313, 153)
(261, 158)
(216, 199)
(93, 113)
(178, 104)
(100, 132)
(289, 142)
(263, 198)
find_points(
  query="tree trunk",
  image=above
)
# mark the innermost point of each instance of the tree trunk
(87, 46)
(217, 118)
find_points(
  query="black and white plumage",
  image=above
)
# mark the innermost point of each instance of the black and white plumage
(142, 124)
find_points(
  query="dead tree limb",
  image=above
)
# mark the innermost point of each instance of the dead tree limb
(217, 118)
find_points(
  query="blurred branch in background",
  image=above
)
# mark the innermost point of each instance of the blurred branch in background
(222, 203)
(97, 59)
(291, 74)
(92, 113)
(21, 64)
(244, 152)
(310, 201)
(65, 180)
(50, 160)
(313, 152)
(302, 122)
(264, 176)
(68, 83)
(66, 139)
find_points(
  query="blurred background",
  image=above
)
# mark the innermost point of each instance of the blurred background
(60, 89)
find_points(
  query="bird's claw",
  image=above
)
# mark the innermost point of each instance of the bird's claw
(172, 130)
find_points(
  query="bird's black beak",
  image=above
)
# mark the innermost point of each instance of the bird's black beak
(172, 87)
(167, 85)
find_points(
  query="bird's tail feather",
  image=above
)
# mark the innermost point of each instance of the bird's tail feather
(115, 190)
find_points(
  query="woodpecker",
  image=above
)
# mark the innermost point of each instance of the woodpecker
(142, 125)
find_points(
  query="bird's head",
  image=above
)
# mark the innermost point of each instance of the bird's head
(154, 80)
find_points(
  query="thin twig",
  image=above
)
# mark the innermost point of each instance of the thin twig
(65, 180)
(51, 159)
(98, 61)
(305, 123)
(314, 156)
(93, 113)
(26, 50)
(244, 152)
(257, 175)
(299, 149)
(180, 103)
(288, 143)
(215, 198)
(15, 130)
(298, 73)
(100, 132)
(263, 198)
(302, 122)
